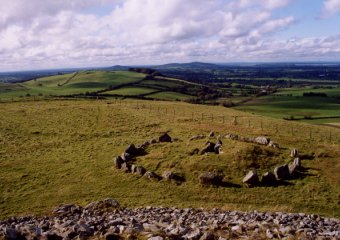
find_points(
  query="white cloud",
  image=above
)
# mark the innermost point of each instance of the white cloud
(43, 34)
(330, 7)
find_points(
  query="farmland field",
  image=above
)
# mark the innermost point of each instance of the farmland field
(54, 152)
(290, 103)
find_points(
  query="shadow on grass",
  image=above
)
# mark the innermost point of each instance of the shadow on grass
(230, 185)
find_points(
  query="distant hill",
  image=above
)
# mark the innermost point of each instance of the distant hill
(192, 65)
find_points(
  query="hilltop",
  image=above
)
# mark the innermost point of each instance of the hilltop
(55, 152)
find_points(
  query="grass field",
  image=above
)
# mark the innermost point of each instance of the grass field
(170, 96)
(291, 103)
(74, 83)
(54, 152)
(131, 91)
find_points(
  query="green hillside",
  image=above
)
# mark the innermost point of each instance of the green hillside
(105, 83)
(54, 152)
(74, 83)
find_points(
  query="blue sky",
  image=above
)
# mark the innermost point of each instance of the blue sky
(40, 34)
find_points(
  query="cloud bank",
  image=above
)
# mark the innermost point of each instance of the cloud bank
(49, 34)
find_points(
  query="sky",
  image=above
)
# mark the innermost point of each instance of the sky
(45, 34)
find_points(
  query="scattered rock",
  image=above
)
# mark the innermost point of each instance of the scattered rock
(282, 172)
(262, 140)
(268, 179)
(210, 178)
(94, 221)
(165, 138)
(251, 179)
(211, 134)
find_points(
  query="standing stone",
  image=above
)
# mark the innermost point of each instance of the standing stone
(268, 179)
(262, 140)
(282, 172)
(294, 153)
(117, 162)
(165, 138)
(251, 179)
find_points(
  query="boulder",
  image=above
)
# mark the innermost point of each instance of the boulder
(209, 147)
(262, 140)
(165, 138)
(209, 178)
(132, 150)
(294, 153)
(126, 157)
(282, 172)
(139, 170)
(126, 167)
(251, 179)
(292, 169)
(117, 162)
(152, 176)
(12, 234)
(297, 162)
(268, 179)
(211, 134)
(170, 176)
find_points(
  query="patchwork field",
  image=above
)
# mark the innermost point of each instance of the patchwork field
(54, 152)
(290, 103)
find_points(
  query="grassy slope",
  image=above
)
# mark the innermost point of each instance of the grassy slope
(54, 152)
(75, 83)
(132, 91)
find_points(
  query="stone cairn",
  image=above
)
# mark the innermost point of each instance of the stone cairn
(108, 220)
(126, 161)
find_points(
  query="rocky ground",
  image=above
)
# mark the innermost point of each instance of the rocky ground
(107, 220)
